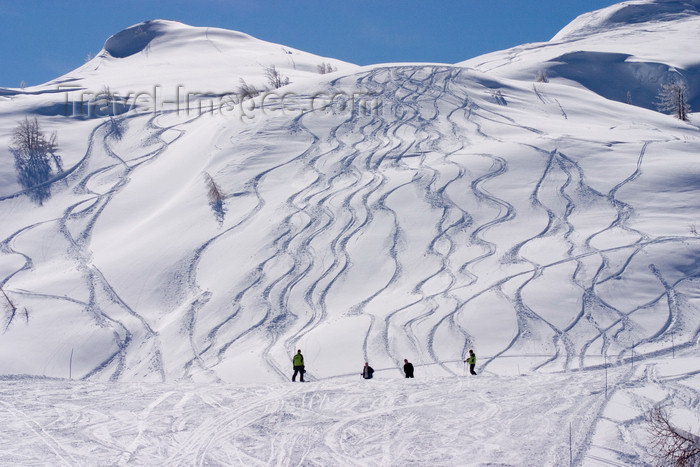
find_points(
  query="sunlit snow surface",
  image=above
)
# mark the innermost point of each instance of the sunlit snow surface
(425, 210)
(444, 220)
(533, 419)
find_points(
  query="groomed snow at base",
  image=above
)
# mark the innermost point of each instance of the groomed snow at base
(529, 419)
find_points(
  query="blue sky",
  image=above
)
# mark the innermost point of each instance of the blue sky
(43, 39)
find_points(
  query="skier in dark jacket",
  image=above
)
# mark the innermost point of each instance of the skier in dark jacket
(407, 368)
(298, 362)
(367, 371)
(472, 361)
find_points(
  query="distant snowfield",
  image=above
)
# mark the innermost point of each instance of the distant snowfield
(371, 214)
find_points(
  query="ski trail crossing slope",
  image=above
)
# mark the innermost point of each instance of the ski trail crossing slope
(429, 218)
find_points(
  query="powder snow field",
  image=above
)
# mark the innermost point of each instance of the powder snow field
(370, 214)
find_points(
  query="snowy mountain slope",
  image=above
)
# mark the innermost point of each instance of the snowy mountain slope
(623, 52)
(148, 68)
(435, 223)
(374, 214)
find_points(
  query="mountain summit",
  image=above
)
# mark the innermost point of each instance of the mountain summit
(136, 38)
(624, 52)
(631, 13)
(169, 54)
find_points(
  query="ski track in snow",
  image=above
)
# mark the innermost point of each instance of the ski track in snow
(355, 170)
(352, 180)
(366, 149)
(75, 226)
(386, 422)
(444, 421)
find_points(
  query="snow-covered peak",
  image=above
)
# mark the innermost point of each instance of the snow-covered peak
(624, 52)
(627, 13)
(135, 38)
(169, 54)
(150, 35)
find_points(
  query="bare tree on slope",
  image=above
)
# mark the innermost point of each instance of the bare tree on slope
(36, 160)
(673, 99)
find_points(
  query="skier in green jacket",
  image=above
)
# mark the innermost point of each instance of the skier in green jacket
(298, 362)
(472, 361)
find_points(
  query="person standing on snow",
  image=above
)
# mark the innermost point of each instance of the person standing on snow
(407, 368)
(298, 362)
(472, 361)
(367, 371)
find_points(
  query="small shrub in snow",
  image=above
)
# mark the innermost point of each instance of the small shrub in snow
(116, 128)
(671, 445)
(8, 301)
(325, 68)
(246, 91)
(216, 197)
(274, 78)
(498, 97)
(11, 308)
(541, 77)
